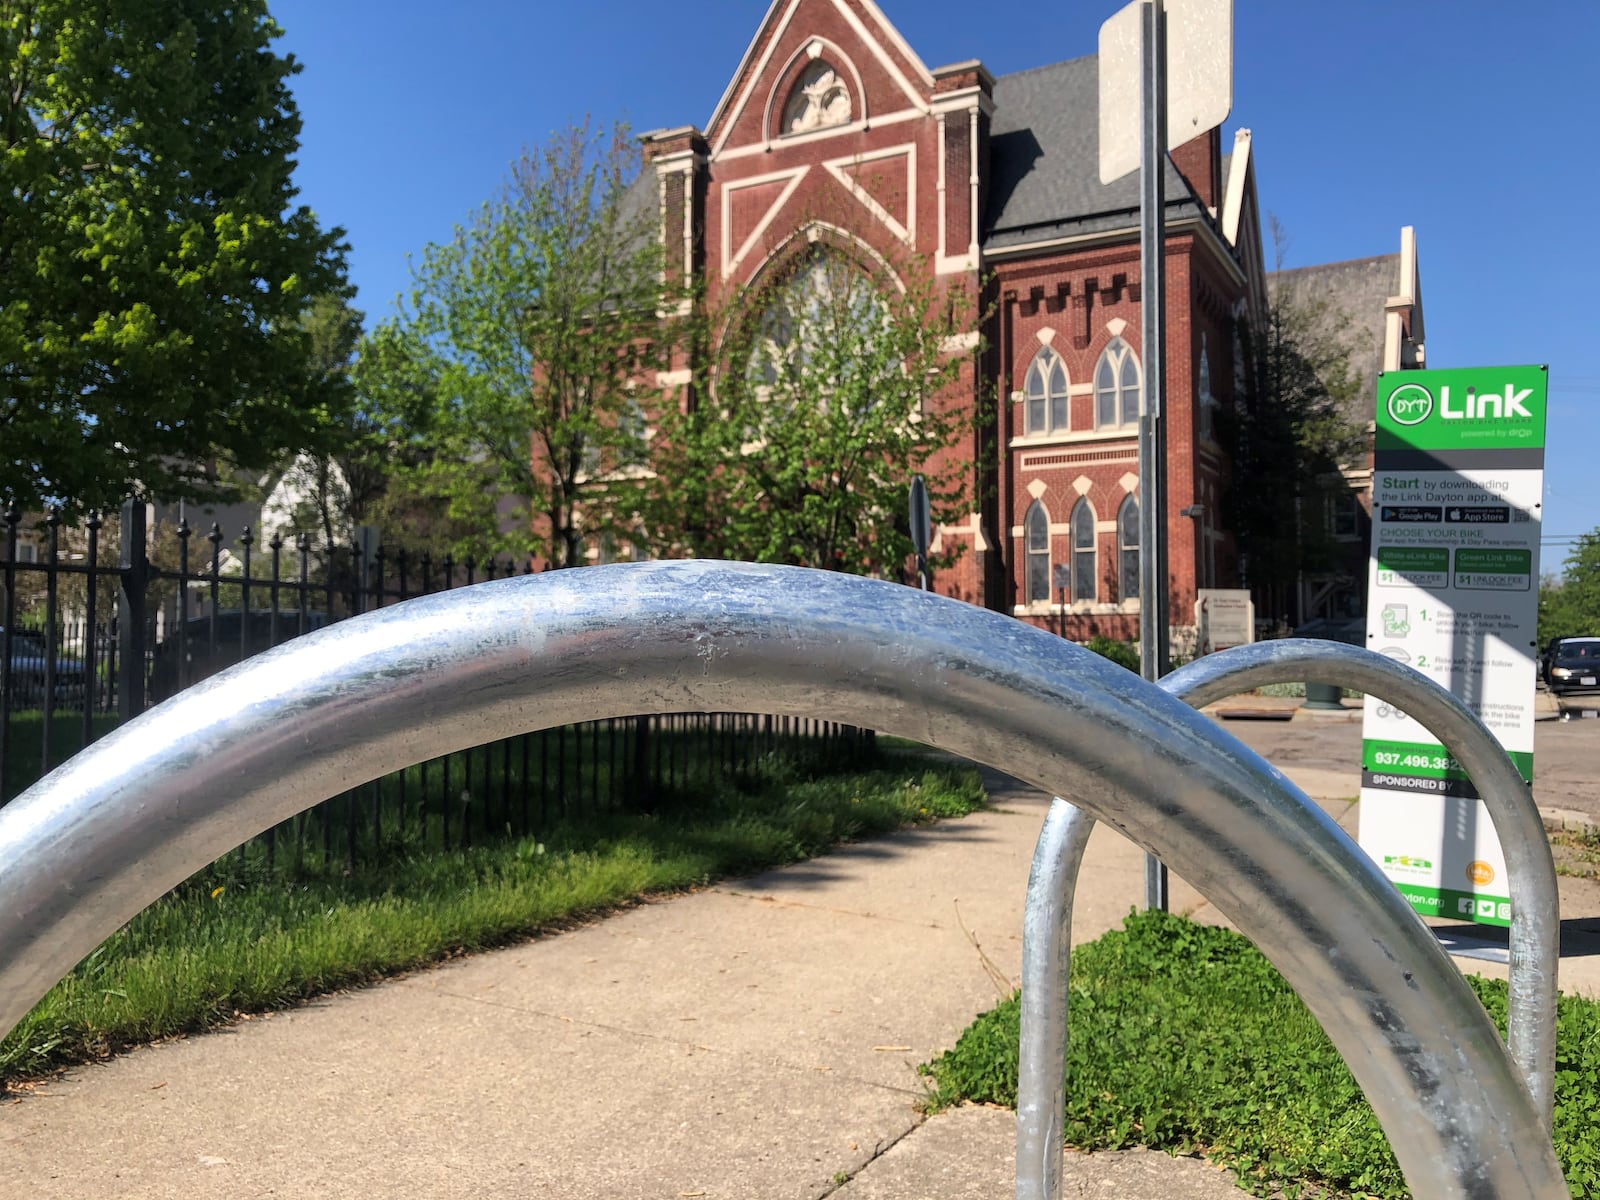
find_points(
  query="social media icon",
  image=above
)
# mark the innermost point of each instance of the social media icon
(1504, 912)
(1464, 907)
(1486, 908)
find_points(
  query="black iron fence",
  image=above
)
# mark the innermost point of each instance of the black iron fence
(102, 619)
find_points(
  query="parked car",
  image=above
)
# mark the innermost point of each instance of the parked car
(1572, 666)
(28, 651)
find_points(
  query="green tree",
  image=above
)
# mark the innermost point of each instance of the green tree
(153, 268)
(333, 485)
(397, 387)
(1289, 434)
(831, 388)
(1569, 605)
(539, 327)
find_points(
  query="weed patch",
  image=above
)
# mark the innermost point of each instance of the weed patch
(1577, 852)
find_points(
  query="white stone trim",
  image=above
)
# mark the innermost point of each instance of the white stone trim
(1130, 483)
(1037, 488)
(947, 265)
(1115, 326)
(679, 378)
(1077, 608)
(1083, 485)
(1233, 201)
(973, 528)
(974, 217)
(958, 342)
(730, 260)
(681, 163)
(962, 99)
(1046, 335)
(888, 64)
(817, 135)
(812, 232)
(755, 74)
(908, 150)
(1126, 433)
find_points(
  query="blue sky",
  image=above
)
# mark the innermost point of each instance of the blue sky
(1473, 120)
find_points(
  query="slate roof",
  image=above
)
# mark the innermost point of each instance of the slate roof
(640, 210)
(1350, 298)
(1044, 161)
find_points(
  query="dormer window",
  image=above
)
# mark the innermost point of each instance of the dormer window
(819, 100)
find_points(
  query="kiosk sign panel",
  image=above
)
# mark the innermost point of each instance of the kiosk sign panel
(1453, 591)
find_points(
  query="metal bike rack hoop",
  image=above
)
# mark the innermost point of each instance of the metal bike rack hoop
(113, 829)
(1535, 930)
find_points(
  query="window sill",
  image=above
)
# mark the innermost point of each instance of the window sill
(1078, 608)
(1031, 441)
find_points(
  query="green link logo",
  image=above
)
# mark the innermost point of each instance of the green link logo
(1410, 404)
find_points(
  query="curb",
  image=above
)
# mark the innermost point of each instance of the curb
(1567, 820)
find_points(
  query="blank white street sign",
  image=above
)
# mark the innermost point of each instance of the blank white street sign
(1199, 78)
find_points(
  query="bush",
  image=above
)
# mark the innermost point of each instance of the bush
(1124, 654)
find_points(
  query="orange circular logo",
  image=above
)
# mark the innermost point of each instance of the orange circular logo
(1480, 872)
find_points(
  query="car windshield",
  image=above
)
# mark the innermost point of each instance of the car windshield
(1586, 651)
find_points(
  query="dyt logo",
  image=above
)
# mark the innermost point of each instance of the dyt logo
(1410, 404)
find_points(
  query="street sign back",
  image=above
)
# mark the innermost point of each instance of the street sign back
(1199, 78)
(921, 519)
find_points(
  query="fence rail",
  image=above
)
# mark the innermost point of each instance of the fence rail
(94, 628)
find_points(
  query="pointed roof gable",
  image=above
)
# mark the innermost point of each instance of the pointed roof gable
(880, 66)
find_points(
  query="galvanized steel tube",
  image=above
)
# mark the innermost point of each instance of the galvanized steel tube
(1046, 949)
(87, 847)
(1535, 940)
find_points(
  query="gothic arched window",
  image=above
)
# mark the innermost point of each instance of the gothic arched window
(1046, 394)
(1116, 387)
(1036, 545)
(1128, 549)
(1083, 581)
(826, 311)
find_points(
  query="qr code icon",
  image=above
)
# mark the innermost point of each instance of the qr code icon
(1520, 516)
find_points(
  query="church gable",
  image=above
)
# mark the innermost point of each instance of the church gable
(814, 69)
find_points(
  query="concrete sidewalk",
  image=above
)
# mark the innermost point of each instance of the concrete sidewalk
(756, 1039)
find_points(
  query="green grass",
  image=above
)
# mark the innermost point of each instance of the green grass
(26, 742)
(1184, 1038)
(236, 940)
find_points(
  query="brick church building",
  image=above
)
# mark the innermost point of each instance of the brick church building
(832, 130)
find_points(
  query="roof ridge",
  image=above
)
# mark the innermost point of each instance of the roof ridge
(1343, 262)
(1043, 67)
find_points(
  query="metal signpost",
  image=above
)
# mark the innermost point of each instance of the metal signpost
(1452, 591)
(1201, 67)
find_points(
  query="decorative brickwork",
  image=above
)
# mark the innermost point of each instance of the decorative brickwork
(832, 128)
